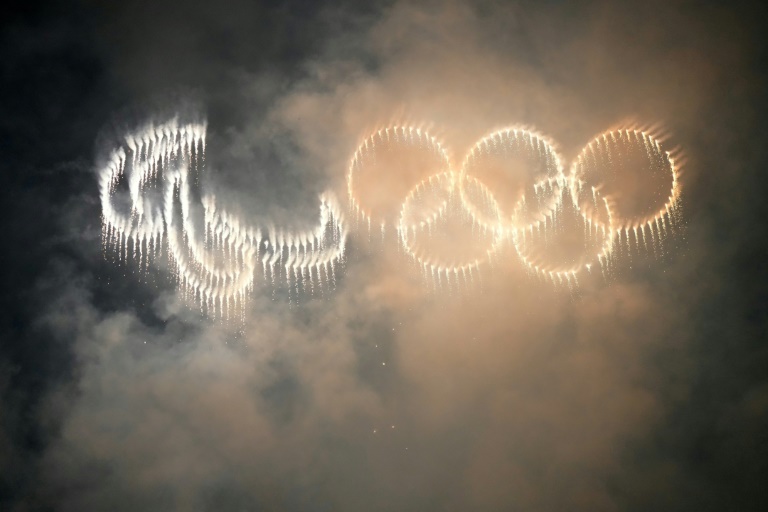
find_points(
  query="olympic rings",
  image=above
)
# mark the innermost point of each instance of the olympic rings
(512, 186)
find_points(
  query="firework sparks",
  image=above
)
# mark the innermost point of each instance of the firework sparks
(213, 255)
(623, 186)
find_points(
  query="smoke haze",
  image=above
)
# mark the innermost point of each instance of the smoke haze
(645, 392)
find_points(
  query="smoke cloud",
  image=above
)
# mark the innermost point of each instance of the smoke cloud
(386, 393)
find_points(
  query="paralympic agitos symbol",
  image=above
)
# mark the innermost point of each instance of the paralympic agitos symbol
(510, 196)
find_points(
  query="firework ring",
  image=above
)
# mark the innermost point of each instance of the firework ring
(211, 254)
(514, 152)
(433, 200)
(432, 159)
(608, 150)
(559, 273)
(531, 158)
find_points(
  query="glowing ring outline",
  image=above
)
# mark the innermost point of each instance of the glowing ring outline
(550, 148)
(648, 138)
(565, 275)
(389, 131)
(403, 230)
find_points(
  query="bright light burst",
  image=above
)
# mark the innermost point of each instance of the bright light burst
(511, 190)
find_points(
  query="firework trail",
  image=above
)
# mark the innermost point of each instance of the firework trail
(510, 191)
(214, 257)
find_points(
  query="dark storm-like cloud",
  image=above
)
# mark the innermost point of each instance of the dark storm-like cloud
(385, 395)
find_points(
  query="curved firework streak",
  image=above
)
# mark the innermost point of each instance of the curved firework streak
(213, 255)
(143, 161)
(308, 258)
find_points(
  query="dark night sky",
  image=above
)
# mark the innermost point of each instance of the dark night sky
(650, 393)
